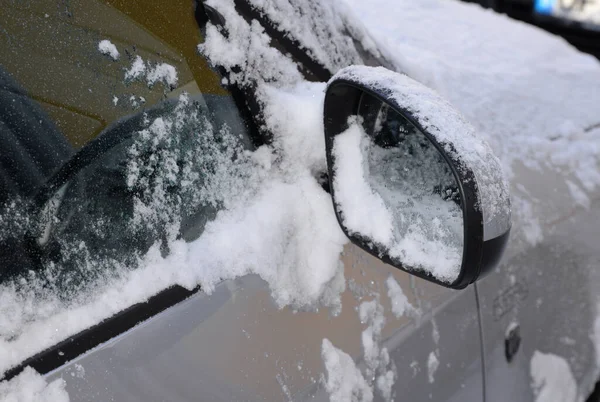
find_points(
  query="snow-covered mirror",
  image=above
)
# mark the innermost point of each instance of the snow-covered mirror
(410, 180)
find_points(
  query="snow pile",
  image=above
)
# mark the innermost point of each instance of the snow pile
(29, 386)
(552, 378)
(106, 47)
(389, 198)
(161, 72)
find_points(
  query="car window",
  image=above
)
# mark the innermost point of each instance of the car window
(114, 132)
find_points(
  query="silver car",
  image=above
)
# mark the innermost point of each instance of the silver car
(248, 200)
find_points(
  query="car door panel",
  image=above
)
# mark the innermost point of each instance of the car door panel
(533, 288)
(236, 344)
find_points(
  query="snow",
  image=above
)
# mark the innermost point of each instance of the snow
(533, 100)
(552, 378)
(377, 359)
(364, 211)
(432, 365)
(297, 251)
(29, 386)
(452, 131)
(344, 380)
(164, 73)
(137, 69)
(399, 302)
(377, 196)
(160, 72)
(106, 47)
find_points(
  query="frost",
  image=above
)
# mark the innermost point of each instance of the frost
(29, 386)
(399, 302)
(106, 47)
(552, 378)
(344, 381)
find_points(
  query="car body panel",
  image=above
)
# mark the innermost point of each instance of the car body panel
(236, 344)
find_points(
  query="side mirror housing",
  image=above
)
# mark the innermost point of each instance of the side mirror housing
(411, 182)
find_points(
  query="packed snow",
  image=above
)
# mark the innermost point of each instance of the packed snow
(106, 47)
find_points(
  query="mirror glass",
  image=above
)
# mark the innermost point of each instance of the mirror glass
(396, 192)
(158, 184)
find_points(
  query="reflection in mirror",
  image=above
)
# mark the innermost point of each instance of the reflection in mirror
(397, 193)
(159, 184)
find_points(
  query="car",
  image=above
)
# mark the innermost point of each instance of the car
(183, 217)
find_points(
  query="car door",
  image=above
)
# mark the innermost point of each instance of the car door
(539, 309)
(234, 343)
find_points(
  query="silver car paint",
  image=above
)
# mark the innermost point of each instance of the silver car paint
(235, 344)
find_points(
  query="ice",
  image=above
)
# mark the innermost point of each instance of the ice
(29, 386)
(106, 47)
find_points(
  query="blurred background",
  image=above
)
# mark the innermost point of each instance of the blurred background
(578, 21)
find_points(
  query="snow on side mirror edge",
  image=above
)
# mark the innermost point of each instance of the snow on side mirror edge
(412, 183)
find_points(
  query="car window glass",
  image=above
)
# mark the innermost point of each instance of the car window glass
(69, 71)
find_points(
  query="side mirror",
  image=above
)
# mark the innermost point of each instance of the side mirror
(412, 184)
